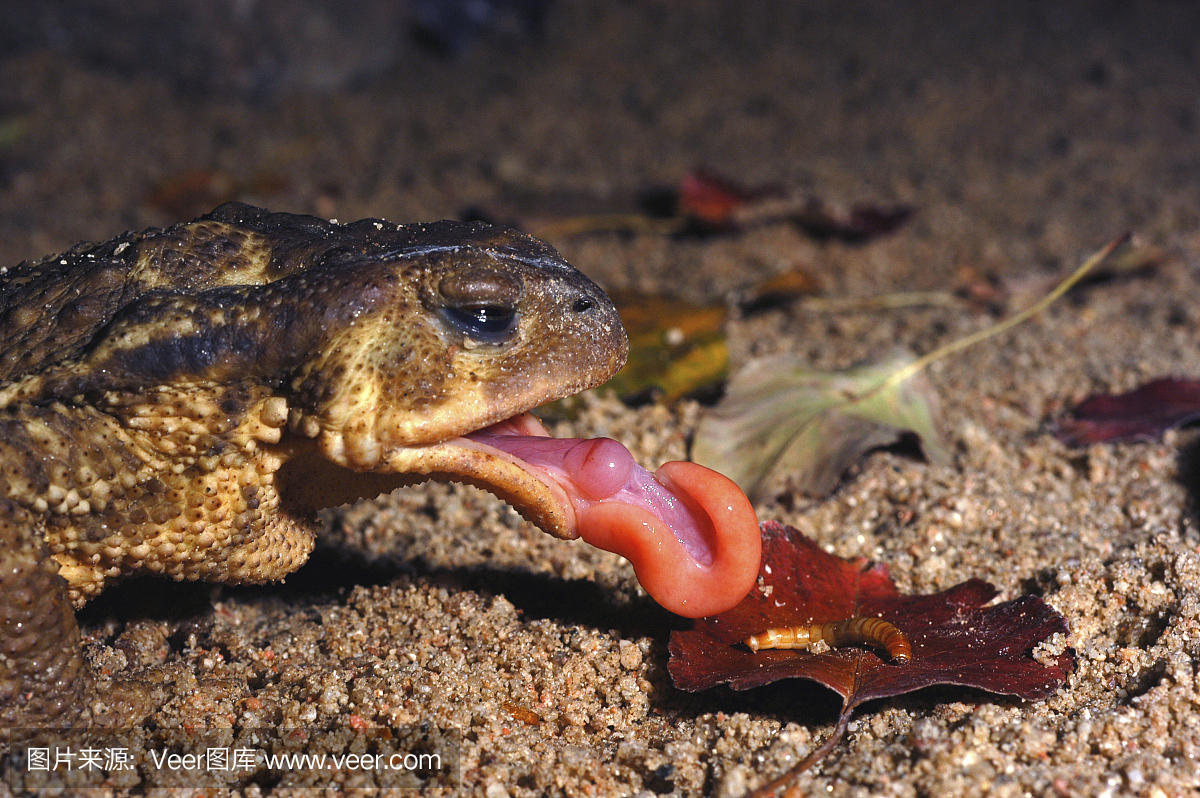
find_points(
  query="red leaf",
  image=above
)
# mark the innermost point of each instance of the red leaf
(1145, 412)
(955, 638)
(713, 200)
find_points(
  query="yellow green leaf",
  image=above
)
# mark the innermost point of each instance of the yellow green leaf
(675, 348)
(780, 417)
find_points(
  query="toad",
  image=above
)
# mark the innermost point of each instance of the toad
(182, 401)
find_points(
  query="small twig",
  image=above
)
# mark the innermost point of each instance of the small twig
(899, 299)
(900, 375)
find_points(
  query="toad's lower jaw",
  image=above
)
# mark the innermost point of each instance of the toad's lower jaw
(690, 533)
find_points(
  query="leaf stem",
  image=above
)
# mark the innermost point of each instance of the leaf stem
(790, 775)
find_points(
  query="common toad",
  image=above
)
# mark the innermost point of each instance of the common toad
(182, 401)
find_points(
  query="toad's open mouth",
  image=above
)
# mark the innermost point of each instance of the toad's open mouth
(690, 533)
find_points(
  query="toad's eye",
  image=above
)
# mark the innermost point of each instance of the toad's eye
(481, 303)
(487, 323)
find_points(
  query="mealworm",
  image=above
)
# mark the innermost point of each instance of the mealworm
(871, 631)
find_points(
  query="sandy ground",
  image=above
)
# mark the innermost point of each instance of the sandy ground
(1026, 135)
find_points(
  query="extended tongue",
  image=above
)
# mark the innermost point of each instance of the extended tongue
(690, 533)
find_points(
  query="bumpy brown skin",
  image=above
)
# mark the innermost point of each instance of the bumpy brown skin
(180, 401)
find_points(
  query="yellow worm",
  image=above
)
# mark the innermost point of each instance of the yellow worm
(872, 631)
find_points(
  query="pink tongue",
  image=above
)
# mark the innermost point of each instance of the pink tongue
(689, 532)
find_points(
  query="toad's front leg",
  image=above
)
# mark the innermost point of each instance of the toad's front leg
(43, 679)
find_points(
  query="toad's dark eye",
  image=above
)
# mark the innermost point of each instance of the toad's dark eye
(481, 303)
(487, 323)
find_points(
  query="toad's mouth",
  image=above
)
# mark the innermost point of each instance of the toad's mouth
(689, 532)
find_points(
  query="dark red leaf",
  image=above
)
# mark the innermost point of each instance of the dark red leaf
(956, 639)
(1145, 412)
(713, 200)
(854, 225)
